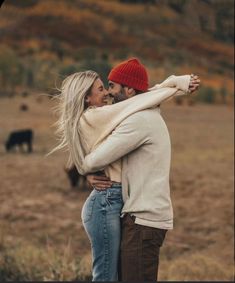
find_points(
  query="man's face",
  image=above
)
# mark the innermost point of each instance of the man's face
(119, 92)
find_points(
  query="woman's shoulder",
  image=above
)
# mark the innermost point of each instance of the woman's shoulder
(89, 108)
(96, 115)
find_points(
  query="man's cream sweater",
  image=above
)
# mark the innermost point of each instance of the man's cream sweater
(142, 139)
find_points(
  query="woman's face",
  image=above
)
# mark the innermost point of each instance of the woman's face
(98, 94)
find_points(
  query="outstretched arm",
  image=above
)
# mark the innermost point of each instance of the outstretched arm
(180, 83)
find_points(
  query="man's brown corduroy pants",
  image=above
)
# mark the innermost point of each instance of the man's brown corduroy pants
(140, 247)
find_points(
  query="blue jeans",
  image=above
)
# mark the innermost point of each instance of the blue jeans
(101, 219)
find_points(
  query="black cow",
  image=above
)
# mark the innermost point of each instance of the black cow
(75, 177)
(24, 107)
(18, 138)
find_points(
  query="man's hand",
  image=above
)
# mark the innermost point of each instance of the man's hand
(194, 83)
(100, 182)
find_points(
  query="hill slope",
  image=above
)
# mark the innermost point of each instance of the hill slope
(170, 36)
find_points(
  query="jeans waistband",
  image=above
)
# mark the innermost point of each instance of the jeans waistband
(116, 185)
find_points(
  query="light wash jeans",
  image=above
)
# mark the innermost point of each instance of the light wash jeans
(101, 219)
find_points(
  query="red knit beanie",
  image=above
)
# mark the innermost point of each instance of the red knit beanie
(130, 73)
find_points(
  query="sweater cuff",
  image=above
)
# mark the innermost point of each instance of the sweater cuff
(182, 83)
(179, 82)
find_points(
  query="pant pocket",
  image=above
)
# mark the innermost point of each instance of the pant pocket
(87, 209)
(149, 244)
(114, 198)
(159, 235)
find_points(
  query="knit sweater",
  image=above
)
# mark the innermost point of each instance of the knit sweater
(97, 123)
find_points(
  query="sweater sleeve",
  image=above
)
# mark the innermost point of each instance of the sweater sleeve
(105, 119)
(128, 136)
(181, 83)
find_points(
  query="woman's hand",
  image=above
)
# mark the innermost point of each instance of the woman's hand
(100, 182)
(194, 83)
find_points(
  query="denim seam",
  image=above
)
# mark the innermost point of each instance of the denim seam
(106, 248)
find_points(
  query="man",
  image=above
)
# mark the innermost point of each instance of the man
(142, 141)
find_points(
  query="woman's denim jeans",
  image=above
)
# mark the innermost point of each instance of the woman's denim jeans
(101, 219)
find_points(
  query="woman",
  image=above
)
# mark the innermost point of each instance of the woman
(85, 121)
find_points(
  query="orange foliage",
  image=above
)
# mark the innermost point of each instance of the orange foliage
(217, 49)
(64, 10)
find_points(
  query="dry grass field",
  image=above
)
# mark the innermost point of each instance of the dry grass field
(41, 234)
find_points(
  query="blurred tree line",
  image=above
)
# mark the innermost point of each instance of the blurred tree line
(33, 72)
(46, 75)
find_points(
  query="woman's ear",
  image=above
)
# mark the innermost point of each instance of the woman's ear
(87, 101)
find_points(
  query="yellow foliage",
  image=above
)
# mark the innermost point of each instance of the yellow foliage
(31, 43)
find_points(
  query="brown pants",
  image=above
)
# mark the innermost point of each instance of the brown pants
(140, 247)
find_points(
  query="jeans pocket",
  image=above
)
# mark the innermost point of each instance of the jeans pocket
(113, 198)
(87, 209)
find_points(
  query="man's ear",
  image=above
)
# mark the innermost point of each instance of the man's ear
(130, 91)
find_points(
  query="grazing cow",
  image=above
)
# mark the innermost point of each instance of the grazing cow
(178, 100)
(75, 177)
(18, 138)
(24, 107)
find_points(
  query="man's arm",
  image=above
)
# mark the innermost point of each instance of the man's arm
(100, 182)
(128, 136)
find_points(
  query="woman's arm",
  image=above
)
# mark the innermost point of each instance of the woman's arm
(179, 82)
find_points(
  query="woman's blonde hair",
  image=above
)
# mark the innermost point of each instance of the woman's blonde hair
(71, 106)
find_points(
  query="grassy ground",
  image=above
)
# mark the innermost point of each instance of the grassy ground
(41, 234)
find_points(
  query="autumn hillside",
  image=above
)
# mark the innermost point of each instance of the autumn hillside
(54, 37)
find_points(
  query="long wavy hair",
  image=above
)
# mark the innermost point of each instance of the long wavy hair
(71, 106)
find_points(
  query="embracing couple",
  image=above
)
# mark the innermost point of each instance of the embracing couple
(124, 150)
